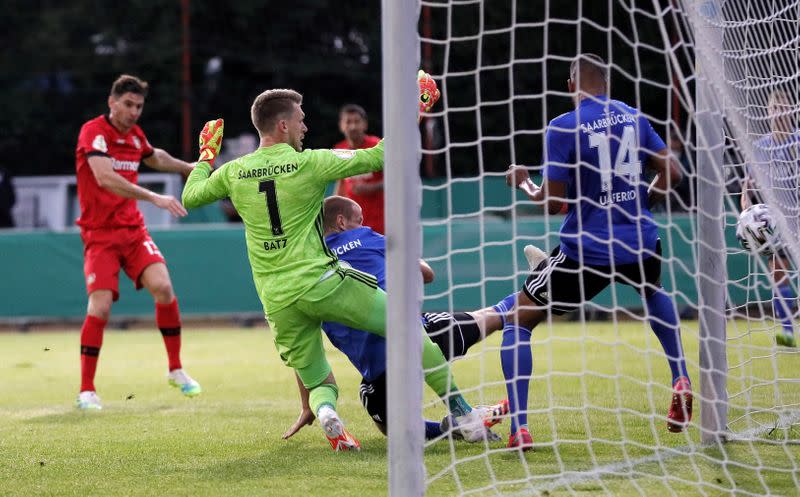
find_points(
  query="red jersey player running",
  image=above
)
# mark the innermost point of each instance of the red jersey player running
(109, 151)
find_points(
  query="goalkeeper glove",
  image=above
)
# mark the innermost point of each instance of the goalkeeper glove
(211, 141)
(428, 91)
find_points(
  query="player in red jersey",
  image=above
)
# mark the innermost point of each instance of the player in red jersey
(109, 151)
(365, 189)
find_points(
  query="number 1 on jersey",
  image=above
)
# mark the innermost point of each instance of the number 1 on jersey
(274, 214)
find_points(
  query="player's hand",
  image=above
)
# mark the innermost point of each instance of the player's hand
(211, 141)
(517, 175)
(428, 92)
(170, 203)
(305, 418)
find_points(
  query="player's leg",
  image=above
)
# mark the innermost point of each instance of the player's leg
(101, 270)
(663, 319)
(146, 267)
(373, 398)
(97, 314)
(551, 285)
(298, 339)
(783, 299)
(353, 298)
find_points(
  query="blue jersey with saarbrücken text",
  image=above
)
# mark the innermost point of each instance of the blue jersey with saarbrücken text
(364, 250)
(599, 151)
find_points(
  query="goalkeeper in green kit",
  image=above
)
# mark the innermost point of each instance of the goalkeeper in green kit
(278, 190)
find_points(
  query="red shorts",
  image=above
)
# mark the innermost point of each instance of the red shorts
(106, 251)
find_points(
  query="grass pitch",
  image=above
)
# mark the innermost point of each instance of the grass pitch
(598, 400)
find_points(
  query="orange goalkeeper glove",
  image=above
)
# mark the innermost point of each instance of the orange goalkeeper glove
(211, 141)
(428, 91)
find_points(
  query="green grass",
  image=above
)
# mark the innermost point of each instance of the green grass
(227, 442)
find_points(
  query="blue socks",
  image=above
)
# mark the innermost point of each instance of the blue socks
(517, 362)
(505, 305)
(664, 322)
(432, 429)
(782, 303)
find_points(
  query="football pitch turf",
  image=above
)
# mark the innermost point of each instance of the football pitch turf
(149, 440)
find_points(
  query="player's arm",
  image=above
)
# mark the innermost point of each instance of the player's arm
(749, 189)
(668, 174)
(553, 192)
(107, 178)
(364, 188)
(332, 165)
(427, 272)
(161, 160)
(202, 187)
(306, 416)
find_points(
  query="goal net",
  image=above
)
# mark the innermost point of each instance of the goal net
(705, 74)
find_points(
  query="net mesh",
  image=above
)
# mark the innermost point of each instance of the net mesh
(600, 387)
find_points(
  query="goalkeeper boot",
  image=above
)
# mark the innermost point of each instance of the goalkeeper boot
(522, 439)
(484, 412)
(470, 427)
(785, 339)
(535, 256)
(339, 438)
(494, 414)
(179, 379)
(680, 410)
(88, 400)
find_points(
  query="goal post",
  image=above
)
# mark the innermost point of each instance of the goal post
(403, 246)
(711, 258)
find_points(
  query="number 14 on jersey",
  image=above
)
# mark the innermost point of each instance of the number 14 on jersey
(626, 163)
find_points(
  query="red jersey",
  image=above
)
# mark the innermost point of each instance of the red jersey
(101, 208)
(371, 203)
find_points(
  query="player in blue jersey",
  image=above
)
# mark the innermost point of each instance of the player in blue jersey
(593, 162)
(775, 166)
(364, 249)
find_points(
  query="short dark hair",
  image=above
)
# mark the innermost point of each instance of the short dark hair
(333, 207)
(589, 66)
(270, 106)
(129, 84)
(353, 109)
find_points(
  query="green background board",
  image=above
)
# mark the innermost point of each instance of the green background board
(477, 262)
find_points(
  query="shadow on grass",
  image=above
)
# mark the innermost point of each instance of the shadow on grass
(301, 461)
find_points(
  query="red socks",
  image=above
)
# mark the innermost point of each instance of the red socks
(91, 341)
(168, 320)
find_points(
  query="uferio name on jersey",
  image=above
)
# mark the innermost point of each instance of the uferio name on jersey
(616, 197)
(265, 172)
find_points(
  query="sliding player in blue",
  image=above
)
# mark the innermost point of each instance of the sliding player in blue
(364, 250)
(593, 163)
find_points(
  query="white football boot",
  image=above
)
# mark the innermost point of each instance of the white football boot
(180, 379)
(88, 400)
(535, 256)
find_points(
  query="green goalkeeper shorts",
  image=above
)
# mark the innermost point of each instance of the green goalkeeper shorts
(346, 296)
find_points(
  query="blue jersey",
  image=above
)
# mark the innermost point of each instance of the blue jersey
(776, 167)
(598, 150)
(364, 250)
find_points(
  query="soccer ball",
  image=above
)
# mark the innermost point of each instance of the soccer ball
(756, 230)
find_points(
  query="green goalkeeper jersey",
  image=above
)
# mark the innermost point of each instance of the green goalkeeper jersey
(278, 193)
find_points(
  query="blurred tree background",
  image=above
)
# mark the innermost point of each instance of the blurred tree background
(59, 59)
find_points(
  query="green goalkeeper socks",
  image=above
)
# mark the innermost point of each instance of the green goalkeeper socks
(439, 378)
(325, 394)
